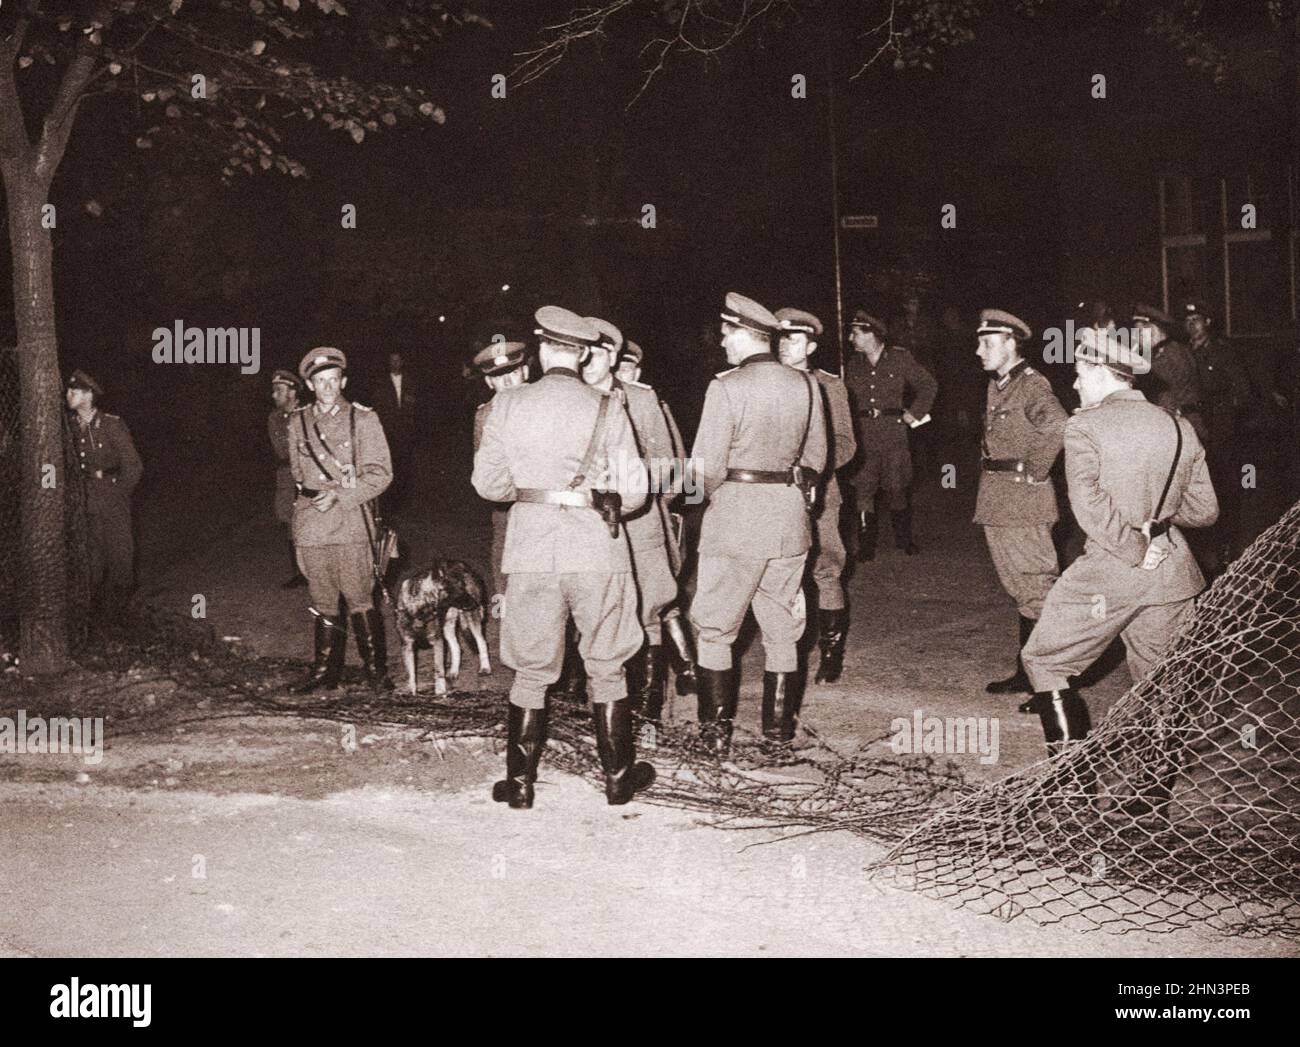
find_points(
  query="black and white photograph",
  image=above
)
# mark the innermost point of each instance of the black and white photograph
(641, 479)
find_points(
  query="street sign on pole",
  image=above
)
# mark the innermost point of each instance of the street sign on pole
(860, 221)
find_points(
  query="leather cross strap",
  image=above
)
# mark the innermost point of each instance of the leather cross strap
(599, 431)
(1159, 527)
(803, 441)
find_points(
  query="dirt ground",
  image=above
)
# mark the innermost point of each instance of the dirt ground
(221, 830)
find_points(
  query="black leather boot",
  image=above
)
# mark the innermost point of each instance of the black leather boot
(371, 645)
(902, 523)
(716, 706)
(650, 701)
(1064, 716)
(330, 641)
(782, 697)
(572, 684)
(623, 775)
(680, 634)
(296, 580)
(525, 740)
(1017, 682)
(868, 532)
(834, 627)
(634, 671)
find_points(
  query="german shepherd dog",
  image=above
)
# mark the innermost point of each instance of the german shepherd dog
(432, 604)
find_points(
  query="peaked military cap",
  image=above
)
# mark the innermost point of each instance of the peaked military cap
(556, 324)
(80, 380)
(499, 358)
(1104, 348)
(283, 377)
(863, 319)
(1197, 307)
(320, 359)
(745, 312)
(996, 321)
(798, 320)
(1143, 313)
(610, 336)
(631, 351)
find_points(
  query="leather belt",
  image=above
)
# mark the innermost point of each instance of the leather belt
(581, 499)
(1003, 465)
(111, 473)
(760, 476)
(881, 412)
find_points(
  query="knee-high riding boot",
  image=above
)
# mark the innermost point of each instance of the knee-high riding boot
(623, 775)
(525, 739)
(1017, 682)
(680, 634)
(717, 700)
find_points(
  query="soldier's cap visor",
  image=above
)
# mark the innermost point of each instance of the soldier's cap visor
(745, 322)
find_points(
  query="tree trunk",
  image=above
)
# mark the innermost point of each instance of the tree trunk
(43, 606)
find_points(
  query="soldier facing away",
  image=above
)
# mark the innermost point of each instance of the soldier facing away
(110, 470)
(1016, 505)
(284, 393)
(339, 458)
(564, 454)
(1137, 474)
(799, 332)
(878, 377)
(762, 426)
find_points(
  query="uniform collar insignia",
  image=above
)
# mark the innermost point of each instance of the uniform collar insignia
(322, 409)
(1017, 369)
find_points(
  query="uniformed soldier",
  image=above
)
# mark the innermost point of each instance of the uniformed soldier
(503, 366)
(762, 427)
(877, 377)
(1024, 425)
(564, 453)
(648, 527)
(339, 458)
(799, 332)
(284, 392)
(110, 470)
(673, 621)
(1136, 475)
(1173, 379)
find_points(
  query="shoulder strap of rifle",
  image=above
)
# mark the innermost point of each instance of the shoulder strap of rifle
(1173, 468)
(803, 441)
(596, 434)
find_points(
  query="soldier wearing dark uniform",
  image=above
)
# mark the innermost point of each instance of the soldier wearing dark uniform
(339, 458)
(877, 377)
(673, 621)
(1136, 577)
(799, 331)
(503, 366)
(763, 424)
(1173, 380)
(1023, 430)
(647, 528)
(564, 454)
(284, 391)
(110, 470)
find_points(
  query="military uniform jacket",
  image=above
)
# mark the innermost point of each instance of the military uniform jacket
(842, 444)
(884, 387)
(1117, 457)
(1025, 421)
(277, 429)
(535, 437)
(646, 528)
(1224, 386)
(1174, 377)
(754, 417)
(329, 438)
(110, 465)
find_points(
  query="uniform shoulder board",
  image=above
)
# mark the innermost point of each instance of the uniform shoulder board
(639, 385)
(485, 404)
(828, 374)
(362, 407)
(113, 417)
(299, 410)
(722, 374)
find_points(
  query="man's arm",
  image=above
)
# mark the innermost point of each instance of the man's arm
(132, 467)
(713, 440)
(1048, 417)
(491, 476)
(1093, 507)
(923, 386)
(814, 448)
(841, 418)
(1199, 505)
(622, 459)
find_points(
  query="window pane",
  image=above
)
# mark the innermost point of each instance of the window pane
(1184, 207)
